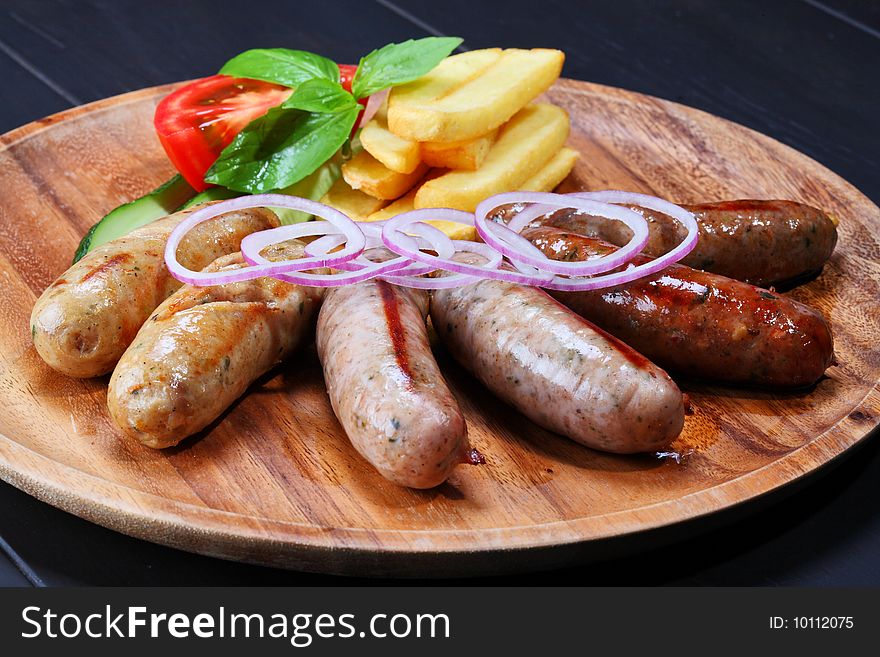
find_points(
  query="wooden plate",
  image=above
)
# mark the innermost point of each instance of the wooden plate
(275, 481)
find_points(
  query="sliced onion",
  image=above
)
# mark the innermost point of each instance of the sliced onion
(633, 219)
(451, 280)
(527, 216)
(396, 240)
(352, 271)
(374, 102)
(354, 245)
(420, 248)
(678, 213)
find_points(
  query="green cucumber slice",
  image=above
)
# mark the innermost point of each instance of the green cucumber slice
(210, 194)
(162, 201)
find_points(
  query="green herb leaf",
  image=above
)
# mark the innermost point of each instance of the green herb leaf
(320, 96)
(280, 148)
(398, 63)
(312, 187)
(286, 67)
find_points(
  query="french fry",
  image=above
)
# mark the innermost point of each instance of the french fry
(552, 173)
(529, 140)
(444, 78)
(355, 204)
(365, 173)
(400, 155)
(405, 204)
(480, 105)
(401, 205)
(548, 177)
(468, 154)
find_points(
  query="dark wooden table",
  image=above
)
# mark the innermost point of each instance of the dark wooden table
(801, 71)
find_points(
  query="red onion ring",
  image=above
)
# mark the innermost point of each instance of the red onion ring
(409, 237)
(355, 240)
(452, 280)
(396, 240)
(634, 220)
(374, 102)
(678, 213)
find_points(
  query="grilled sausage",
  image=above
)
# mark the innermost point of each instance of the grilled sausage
(761, 242)
(385, 386)
(85, 320)
(558, 369)
(201, 350)
(700, 324)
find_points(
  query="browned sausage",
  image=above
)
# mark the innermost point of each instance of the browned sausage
(86, 319)
(385, 386)
(201, 350)
(761, 242)
(700, 324)
(557, 369)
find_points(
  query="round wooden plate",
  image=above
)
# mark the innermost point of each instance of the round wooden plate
(275, 481)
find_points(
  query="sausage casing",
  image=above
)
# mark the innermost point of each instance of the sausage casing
(558, 369)
(385, 386)
(761, 242)
(700, 324)
(85, 320)
(201, 350)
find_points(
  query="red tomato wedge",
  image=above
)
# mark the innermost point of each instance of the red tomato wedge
(346, 75)
(196, 122)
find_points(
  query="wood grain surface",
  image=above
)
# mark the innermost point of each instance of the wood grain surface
(275, 481)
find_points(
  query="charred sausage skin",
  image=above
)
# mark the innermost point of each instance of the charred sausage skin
(760, 242)
(84, 321)
(700, 324)
(558, 369)
(201, 350)
(385, 386)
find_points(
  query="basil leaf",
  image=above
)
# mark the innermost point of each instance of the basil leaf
(286, 67)
(320, 96)
(312, 187)
(398, 63)
(280, 148)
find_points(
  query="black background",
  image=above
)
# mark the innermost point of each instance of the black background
(801, 71)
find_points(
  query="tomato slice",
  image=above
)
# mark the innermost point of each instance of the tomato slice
(346, 75)
(196, 122)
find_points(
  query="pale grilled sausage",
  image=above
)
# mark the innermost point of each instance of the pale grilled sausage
(385, 386)
(558, 369)
(201, 350)
(700, 324)
(86, 319)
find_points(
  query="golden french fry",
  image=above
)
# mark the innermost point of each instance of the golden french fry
(401, 205)
(355, 204)
(447, 76)
(480, 105)
(400, 155)
(468, 154)
(552, 173)
(365, 173)
(405, 204)
(528, 141)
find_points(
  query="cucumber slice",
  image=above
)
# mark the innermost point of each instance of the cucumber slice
(210, 194)
(176, 194)
(162, 201)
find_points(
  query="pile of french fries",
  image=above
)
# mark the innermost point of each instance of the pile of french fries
(463, 132)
